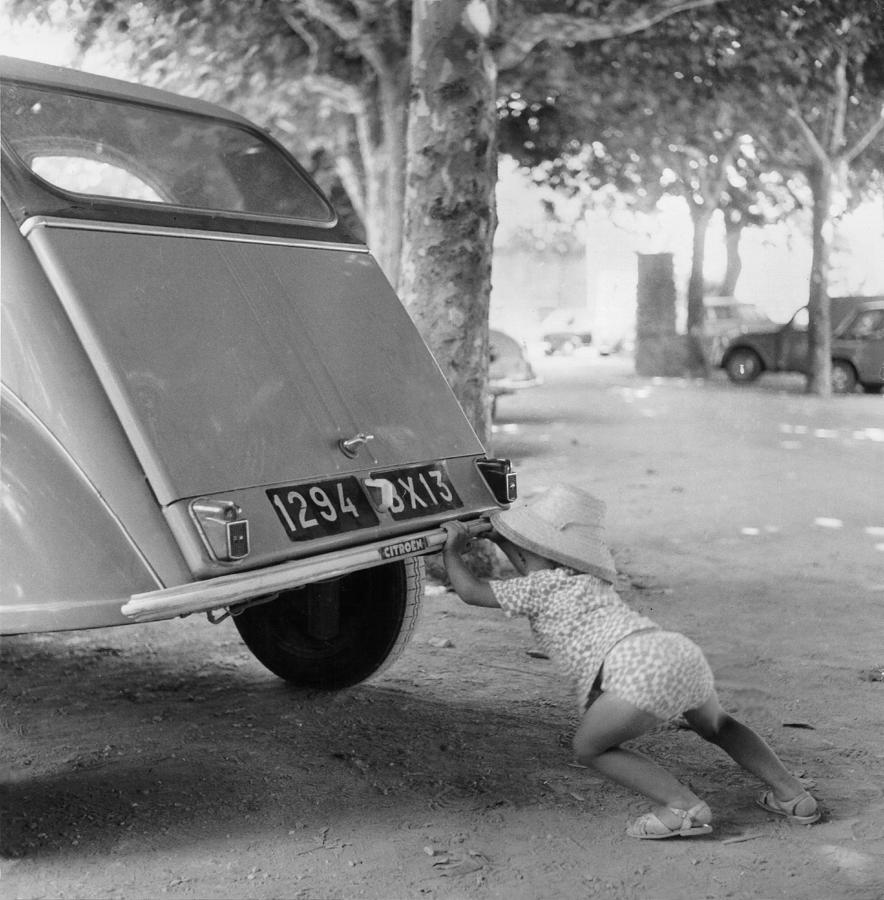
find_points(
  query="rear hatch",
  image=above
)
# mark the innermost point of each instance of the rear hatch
(260, 363)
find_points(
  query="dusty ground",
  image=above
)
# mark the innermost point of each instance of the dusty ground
(161, 760)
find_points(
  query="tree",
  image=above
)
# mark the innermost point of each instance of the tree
(356, 57)
(725, 109)
(450, 219)
(330, 78)
(819, 111)
(457, 47)
(652, 115)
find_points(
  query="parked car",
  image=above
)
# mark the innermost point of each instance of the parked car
(726, 318)
(566, 330)
(857, 347)
(212, 399)
(508, 367)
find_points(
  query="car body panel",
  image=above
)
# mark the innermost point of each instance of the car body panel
(65, 556)
(172, 373)
(215, 392)
(46, 369)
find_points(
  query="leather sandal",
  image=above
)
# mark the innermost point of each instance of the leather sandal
(788, 808)
(649, 827)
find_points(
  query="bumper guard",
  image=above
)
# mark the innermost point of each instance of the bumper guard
(229, 590)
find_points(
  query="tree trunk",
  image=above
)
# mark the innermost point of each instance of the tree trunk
(734, 264)
(445, 276)
(698, 362)
(819, 334)
(382, 136)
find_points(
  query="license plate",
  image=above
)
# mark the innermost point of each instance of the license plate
(419, 491)
(321, 509)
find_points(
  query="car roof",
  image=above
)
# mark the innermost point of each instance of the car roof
(45, 75)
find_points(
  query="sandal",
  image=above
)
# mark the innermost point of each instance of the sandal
(767, 800)
(649, 827)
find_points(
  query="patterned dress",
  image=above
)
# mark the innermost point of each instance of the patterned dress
(581, 622)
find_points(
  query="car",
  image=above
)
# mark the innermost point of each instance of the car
(508, 367)
(724, 319)
(212, 399)
(566, 330)
(857, 341)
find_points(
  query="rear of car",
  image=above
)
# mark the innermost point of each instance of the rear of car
(509, 369)
(212, 399)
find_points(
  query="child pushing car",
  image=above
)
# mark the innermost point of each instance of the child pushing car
(628, 672)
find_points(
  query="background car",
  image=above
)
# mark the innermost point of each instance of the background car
(508, 367)
(566, 330)
(212, 400)
(724, 319)
(856, 347)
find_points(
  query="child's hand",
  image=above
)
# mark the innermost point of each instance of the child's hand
(458, 537)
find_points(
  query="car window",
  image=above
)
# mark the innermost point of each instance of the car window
(867, 325)
(89, 176)
(134, 152)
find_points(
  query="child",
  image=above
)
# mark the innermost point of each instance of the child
(628, 672)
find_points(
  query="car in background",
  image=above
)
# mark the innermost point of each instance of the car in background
(857, 347)
(212, 400)
(508, 367)
(726, 318)
(564, 331)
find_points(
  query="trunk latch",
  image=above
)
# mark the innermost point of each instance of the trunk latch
(350, 446)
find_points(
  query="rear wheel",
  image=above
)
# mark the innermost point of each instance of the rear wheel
(743, 365)
(843, 377)
(335, 634)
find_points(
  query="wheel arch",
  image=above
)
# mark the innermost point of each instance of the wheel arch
(66, 560)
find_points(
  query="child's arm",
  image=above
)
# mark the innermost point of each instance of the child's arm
(470, 589)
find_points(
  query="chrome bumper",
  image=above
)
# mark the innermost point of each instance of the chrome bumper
(229, 590)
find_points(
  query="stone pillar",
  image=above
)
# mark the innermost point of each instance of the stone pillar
(659, 350)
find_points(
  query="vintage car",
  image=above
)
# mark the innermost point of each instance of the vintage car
(508, 367)
(212, 399)
(724, 319)
(857, 347)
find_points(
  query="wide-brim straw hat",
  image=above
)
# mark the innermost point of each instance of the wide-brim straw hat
(564, 524)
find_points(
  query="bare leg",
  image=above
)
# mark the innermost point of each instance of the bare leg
(605, 725)
(745, 747)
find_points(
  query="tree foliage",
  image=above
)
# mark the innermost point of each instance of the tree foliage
(725, 110)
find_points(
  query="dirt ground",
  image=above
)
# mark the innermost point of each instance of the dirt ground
(162, 760)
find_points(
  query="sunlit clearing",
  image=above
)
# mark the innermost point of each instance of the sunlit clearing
(823, 522)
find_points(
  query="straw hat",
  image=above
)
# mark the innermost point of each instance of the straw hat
(564, 524)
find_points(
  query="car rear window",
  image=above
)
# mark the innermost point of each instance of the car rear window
(137, 153)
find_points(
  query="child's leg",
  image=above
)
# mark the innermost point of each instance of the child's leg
(748, 749)
(605, 725)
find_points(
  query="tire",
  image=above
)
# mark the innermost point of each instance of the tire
(338, 633)
(844, 378)
(870, 388)
(743, 365)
